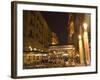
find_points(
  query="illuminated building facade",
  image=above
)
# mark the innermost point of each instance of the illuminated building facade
(36, 31)
(43, 47)
(36, 38)
(54, 39)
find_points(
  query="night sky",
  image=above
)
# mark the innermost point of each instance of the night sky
(57, 22)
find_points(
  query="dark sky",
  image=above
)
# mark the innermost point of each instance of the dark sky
(57, 21)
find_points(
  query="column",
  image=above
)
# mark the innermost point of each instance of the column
(86, 44)
(81, 50)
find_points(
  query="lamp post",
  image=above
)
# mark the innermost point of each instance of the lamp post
(86, 44)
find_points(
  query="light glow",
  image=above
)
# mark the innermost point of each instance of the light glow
(34, 49)
(79, 37)
(85, 26)
(30, 48)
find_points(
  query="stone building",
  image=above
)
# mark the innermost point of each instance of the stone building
(36, 32)
(36, 39)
